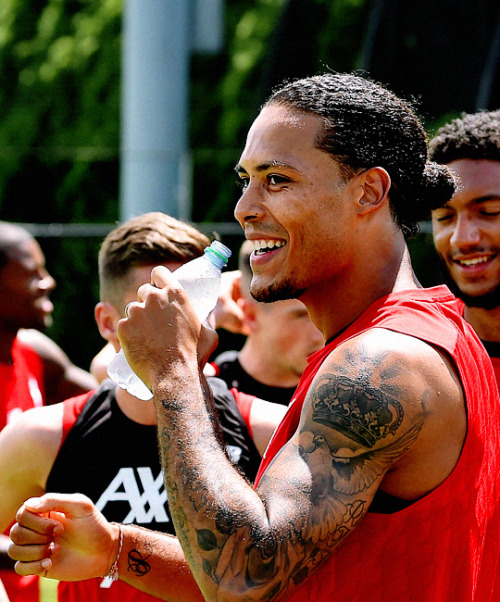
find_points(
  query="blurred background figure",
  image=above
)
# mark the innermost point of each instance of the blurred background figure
(467, 229)
(280, 337)
(33, 369)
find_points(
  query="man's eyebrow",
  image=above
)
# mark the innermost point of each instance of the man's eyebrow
(476, 201)
(485, 198)
(265, 166)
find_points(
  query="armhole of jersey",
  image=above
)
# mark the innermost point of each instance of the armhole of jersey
(244, 403)
(71, 410)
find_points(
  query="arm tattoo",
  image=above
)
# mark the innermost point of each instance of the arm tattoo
(356, 408)
(319, 489)
(364, 408)
(138, 562)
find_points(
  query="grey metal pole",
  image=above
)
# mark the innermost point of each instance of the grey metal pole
(154, 109)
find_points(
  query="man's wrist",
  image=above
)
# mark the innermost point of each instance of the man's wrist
(114, 557)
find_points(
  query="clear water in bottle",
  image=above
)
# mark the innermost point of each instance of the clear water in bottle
(202, 293)
(200, 278)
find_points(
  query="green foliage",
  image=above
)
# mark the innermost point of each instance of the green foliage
(224, 104)
(59, 132)
(59, 68)
(73, 263)
(60, 92)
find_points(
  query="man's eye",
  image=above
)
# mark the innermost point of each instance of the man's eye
(242, 183)
(275, 180)
(443, 218)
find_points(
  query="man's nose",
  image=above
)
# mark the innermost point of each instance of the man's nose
(466, 231)
(46, 282)
(249, 206)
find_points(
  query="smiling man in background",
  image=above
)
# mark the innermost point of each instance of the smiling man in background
(467, 229)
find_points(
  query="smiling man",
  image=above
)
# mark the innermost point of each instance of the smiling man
(380, 482)
(33, 369)
(467, 229)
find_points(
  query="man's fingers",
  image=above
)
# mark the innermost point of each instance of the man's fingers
(24, 536)
(45, 516)
(32, 553)
(36, 523)
(37, 567)
(36, 552)
(75, 505)
(161, 276)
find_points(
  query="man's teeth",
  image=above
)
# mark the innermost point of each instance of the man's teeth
(267, 245)
(473, 261)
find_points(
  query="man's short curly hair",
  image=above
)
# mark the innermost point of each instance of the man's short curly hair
(471, 136)
(365, 125)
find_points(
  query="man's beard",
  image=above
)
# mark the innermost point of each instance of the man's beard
(489, 300)
(277, 292)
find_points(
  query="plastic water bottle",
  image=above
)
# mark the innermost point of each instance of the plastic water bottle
(200, 278)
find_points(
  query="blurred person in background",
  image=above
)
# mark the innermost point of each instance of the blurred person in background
(466, 230)
(280, 337)
(34, 370)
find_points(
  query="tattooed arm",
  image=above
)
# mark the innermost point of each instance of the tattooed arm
(370, 410)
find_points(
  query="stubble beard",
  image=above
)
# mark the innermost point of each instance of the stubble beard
(281, 291)
(490, 300)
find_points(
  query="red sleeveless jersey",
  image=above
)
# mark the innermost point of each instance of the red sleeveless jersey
(21, 383)
(444, 547)
(21, 388)
(495, 361)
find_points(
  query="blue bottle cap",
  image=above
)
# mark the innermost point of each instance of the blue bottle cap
(218, 254)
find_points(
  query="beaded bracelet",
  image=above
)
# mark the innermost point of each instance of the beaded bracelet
(112, 575)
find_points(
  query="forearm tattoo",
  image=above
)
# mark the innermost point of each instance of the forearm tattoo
(138, 562)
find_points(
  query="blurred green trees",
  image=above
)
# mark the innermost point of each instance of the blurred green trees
(59, 126)
(60, 105)
(60, 94)
(59, 100)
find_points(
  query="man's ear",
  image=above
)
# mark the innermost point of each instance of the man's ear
(375, 184)
(248, 307)
(107, 317)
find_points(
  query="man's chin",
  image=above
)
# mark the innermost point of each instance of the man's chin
(489, 300)
(275, 292)
(44, 323)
